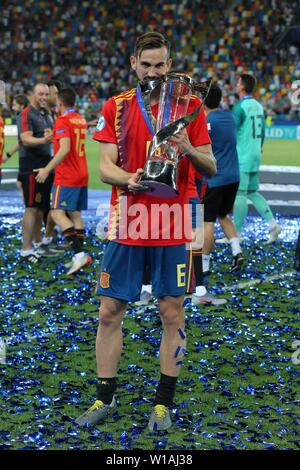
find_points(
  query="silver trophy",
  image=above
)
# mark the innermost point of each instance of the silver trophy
(160, 171)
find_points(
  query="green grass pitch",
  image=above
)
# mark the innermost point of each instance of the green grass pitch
(275, 152)
(239, 388)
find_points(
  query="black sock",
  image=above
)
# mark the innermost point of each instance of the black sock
(165, 391)
(147, 276)
(198, 270)
(80, 235)
(72, 239)
(106, 388)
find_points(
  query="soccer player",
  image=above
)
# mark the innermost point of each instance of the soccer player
(124, 132)
(196, 189)
(54, 87)
(222, 188)
(69, 191)
(48, 245)
(35, 137)
(19, 103)
(250, 120)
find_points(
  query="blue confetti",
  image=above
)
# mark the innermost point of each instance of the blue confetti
(181, 333)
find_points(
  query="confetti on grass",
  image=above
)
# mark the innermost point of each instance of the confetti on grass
(238, 388)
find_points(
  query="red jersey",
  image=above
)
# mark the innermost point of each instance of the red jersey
(142, 219)
(1, 139)
(73, 170)
(191, 185)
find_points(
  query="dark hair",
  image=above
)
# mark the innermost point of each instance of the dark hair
(67, 96)
(214, 96)
(248, 81)
(22, 100)
(56, 83)
(151, 40)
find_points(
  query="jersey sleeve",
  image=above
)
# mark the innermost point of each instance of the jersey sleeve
(105, 130)
(197, 129)
(61, 129)
(26, 121)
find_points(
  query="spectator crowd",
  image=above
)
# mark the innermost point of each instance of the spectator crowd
(85, 45)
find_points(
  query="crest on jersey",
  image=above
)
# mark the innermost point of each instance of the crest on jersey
(104, 280)
(101, 123)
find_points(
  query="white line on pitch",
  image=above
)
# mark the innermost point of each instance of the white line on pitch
(253, 282)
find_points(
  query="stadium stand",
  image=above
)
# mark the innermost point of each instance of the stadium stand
(84, 46)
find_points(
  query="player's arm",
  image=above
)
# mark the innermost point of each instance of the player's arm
(111, 173)
(202, 157)
(64, 149)
(11, 152)
(28, 140)
(239, 115)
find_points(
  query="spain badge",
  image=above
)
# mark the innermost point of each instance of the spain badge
(104, 280)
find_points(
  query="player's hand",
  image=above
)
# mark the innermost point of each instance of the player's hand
(182, 141)
(134, 185)
(42, 174)
(92, 123)
(48, 135)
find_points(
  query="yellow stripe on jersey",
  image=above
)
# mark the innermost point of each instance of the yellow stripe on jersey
(56, 196)
(189, 276)
(119, 100)
(126, 95)
(115, 212)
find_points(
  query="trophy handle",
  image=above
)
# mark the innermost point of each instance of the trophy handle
(160, 177)
(174, 127)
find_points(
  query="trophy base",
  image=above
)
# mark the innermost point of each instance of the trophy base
(160, 178)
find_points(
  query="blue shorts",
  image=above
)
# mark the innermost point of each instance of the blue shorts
(123, 266)
(196, 212)
(68, 198)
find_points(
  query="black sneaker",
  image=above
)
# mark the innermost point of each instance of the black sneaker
(43, 250)
(55, 248)
(33, 258)
(237, 262)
